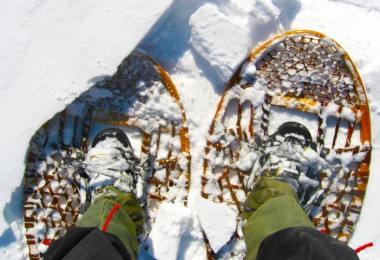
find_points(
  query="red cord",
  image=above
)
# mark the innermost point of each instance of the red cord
(46, 242)
(116, 207)
(360, 248)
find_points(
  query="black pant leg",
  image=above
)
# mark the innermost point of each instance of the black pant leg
(303, 243)
(87, 243)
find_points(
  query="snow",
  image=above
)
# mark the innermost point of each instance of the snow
(218, 221)
(164, 240)
(106, 155)
(51, 52)
(212, 33)
(99, 93)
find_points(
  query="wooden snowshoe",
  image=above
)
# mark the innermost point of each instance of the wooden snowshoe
(304, 77)
(139, 99)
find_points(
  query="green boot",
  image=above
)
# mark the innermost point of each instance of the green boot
(272, 206)
(286, 175)
(109, 166)
(126, 222)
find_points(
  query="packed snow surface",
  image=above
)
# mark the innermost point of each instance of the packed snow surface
(51, 52)
(212, 33)
(172, 222)
(218, 222)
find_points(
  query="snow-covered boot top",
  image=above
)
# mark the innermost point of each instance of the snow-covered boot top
(290, 155)
(110, 161)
